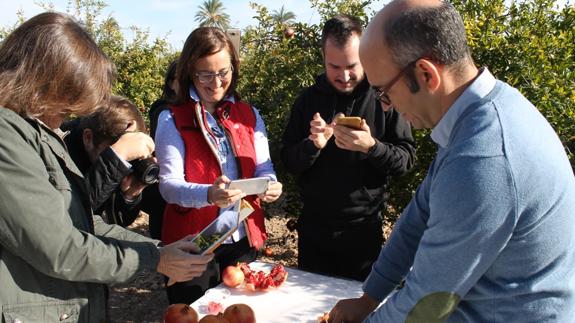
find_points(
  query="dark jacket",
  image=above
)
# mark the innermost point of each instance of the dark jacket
(341, 187)
(103, 179)
(152, 201)
(55, 256)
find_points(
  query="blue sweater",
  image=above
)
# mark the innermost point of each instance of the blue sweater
(490, 233)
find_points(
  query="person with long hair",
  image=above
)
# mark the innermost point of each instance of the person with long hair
(56, 257)
(208, 138)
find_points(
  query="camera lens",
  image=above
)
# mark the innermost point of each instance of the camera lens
(146, 170)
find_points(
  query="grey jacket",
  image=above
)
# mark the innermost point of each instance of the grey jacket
(55, 255)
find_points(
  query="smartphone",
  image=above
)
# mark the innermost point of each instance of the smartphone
(250, 186)
(350, 122)
(234, 35)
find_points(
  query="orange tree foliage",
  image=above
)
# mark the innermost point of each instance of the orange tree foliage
(529, 44)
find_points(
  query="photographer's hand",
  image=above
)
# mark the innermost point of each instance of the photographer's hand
(131, 187)
(133, 145)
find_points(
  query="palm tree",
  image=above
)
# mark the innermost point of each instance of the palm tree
(211, 14)
(283, 17)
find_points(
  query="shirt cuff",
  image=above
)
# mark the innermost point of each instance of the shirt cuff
(310, 147)
(133, 201)
(371, 151)
(125, 162)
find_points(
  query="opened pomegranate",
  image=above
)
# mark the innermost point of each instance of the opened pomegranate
(260, 281)
(240, 313)
(232, 276)
(180, 313)
(214, 319)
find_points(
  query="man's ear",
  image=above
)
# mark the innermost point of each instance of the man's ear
(428, 74)
(87, 139)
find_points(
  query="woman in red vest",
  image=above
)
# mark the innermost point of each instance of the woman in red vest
(206, 139)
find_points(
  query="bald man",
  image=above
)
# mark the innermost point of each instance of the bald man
(490, 233)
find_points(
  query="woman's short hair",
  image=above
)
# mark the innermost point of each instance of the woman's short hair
(202, 42)
(111, 121)
(51, 66)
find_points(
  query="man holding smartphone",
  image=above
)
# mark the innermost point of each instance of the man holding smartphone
(343, 180)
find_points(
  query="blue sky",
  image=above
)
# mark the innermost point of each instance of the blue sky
(171, 18)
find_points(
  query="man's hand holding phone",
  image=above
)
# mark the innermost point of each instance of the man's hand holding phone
(351, 134)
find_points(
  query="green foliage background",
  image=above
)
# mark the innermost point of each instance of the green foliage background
(529, 44)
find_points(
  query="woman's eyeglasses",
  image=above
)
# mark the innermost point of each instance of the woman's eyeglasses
(381, 94)
(207, 77)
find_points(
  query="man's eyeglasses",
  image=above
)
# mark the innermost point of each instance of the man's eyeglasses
(381, 94)
(207, 77)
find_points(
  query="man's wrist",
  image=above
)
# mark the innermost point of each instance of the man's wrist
(372, 148)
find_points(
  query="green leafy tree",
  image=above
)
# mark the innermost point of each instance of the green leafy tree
(275, 67)
(140, 62)
(529, 44)
(211, 13)
(283, 17)
(328, 9)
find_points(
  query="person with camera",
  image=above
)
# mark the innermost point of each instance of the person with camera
(207, 138)
(111, 149)
(56, 255)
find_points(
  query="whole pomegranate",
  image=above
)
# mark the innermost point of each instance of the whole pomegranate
(268, 252)
(180, 313)
(214, 319)
(232, 276)
(240, 313)
(289, 32)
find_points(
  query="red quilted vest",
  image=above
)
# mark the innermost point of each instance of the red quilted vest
(202, 166)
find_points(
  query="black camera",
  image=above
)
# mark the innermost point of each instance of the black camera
(146, 170)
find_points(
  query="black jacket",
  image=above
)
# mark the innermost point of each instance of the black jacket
(341, 187)
(102, 178)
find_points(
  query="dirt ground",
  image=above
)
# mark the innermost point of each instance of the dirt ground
(144, 299)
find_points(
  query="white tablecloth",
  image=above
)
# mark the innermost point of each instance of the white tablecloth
(302, 298)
